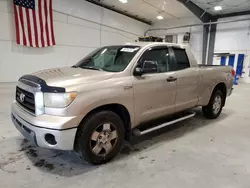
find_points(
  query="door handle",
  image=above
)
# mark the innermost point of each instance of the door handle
(171, 79)
(128, 87)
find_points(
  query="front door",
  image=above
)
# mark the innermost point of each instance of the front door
(154, 93)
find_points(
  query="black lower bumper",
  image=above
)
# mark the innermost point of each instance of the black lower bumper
(26, 132)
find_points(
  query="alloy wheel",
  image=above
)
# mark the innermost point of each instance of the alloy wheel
(103, 139)
(217, 104)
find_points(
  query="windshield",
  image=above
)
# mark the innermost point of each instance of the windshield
(110, 58)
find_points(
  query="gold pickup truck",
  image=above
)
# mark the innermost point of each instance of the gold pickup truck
(112, 94)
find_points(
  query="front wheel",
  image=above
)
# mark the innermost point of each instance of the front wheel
(100, 137)
(214, 108)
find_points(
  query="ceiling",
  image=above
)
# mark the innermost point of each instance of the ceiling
(228, 6)
(149, 9)
(171, 10)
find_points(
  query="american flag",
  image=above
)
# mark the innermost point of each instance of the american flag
(34, 23)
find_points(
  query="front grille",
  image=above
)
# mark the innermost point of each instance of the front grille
(28, 102)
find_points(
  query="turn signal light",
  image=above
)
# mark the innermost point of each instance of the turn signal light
(233, 72)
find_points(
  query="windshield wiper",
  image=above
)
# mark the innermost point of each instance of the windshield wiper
(91, 68)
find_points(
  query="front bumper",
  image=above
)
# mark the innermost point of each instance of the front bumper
(35, 128)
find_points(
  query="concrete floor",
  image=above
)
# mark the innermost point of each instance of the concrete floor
(194, 153)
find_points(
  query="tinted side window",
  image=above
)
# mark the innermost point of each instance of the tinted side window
(181, 59)
(158, 55)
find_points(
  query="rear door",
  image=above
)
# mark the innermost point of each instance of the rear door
(188, 80)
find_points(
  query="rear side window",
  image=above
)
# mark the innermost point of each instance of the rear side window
(181, 59)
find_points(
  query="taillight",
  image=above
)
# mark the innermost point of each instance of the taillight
(233, 72)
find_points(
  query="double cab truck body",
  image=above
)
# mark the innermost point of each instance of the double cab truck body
(94, 105)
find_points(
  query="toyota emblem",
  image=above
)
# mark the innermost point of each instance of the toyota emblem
(22, 96)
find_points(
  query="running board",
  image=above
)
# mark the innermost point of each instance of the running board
(138, 132)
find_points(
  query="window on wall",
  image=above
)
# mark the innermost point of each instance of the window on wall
(181, 57)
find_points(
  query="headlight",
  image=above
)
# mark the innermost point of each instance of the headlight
(59, 100)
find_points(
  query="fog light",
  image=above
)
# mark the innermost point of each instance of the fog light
(50, 138)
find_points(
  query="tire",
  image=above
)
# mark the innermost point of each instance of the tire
(97, 134)
(214, 108)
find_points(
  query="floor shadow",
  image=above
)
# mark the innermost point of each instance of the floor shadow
(62, 163)
(69, 164)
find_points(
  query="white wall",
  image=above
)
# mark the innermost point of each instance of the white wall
(234, 38)
(80, 27)
(196, 34)
(230, 38)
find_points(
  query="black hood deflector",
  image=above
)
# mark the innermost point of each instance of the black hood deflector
(44, 87)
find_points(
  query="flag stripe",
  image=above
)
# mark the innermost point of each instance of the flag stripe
(22, 25)
(32, 28)
(41, 22)
(17, 25)
(25, 26)
(29, 34)
(20, 28)
(38, 25)
(46, 23)
(35, 27)
(51, 23)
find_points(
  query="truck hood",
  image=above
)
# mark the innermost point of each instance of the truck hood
(68, 76)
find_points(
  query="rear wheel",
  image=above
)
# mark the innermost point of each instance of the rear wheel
(100, 137)
(214, 108)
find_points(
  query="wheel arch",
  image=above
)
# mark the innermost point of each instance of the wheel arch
(223, 88)
(120, 110)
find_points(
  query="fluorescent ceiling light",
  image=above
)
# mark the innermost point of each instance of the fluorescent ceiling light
(160, 17)
(217, 8)
(123, 1)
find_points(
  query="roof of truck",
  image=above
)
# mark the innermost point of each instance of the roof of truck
(142, 44)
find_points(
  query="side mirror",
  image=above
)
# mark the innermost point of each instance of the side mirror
(148, 67)
(138, 71)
